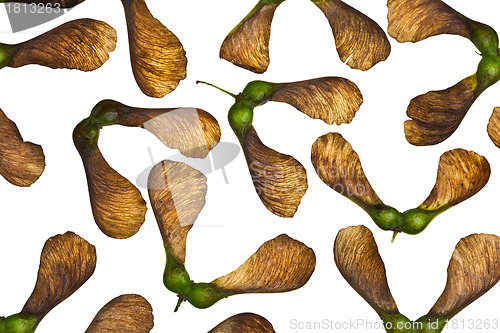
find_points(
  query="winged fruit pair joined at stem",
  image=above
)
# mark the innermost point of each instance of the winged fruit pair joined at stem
(473, 270)
(280, 180)
(461, 174)
(177, 194)
(437, 114)
(117, 205)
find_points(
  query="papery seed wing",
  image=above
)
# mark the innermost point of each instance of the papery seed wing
(415, 20)
(82, 44)
(194, 132)
(244, 323)
(21, 163)
(279, 265)
(437, 114)
(358, 260)
(157, 56)
(126, 313)
(339, 167)
(473, 270)
(331, 99)
(118, 207)
(461, 174)
(279, 179)
(67, 261)
(247, 45)
(177, 194)
(360, 41)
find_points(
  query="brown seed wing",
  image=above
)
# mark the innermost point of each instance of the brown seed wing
(157, 56)
(415, 20)
(177, 194)
(126, 313)
(331, 99)
(247, 45)
(118, 207)
(437, 114)
(193, 131)
(66, 263)
(21, 163)
(461, 174)
(279, 179)
(82, 44)
(279, 265)
(339, 167)
(358, 260)
(473, 270)
(244, 323)
(494, 127)
(359, 40)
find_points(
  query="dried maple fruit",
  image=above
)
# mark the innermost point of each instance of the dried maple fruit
(280, 180)
(177, 194)
(117, 205)
(82, 44)
(473, 270)
(460, 175)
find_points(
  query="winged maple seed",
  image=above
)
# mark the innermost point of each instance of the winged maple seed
(247, 45)
(177, 194)
(473, 270)
(82, 44)
(461, 174)
(360, 41)
(358, 260)
(21, 163)
(66, 263)
(126, 313)
(118, 207)
(494, 127)
(244, 323)
(331, 99)
(437, 114)
(280, 180)
(157, 56)
(279, 265)
(415, 20)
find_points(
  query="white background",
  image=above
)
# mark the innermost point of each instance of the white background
(46, 105)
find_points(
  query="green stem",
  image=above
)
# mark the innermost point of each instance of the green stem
(212, 85)
(396, 232)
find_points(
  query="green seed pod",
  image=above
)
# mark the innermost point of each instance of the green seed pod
(488, 71)
(20, 323)
(204, 295)
(257, 93)
(484, 38)
(240, 117)
(385, 217)
(415, 220)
